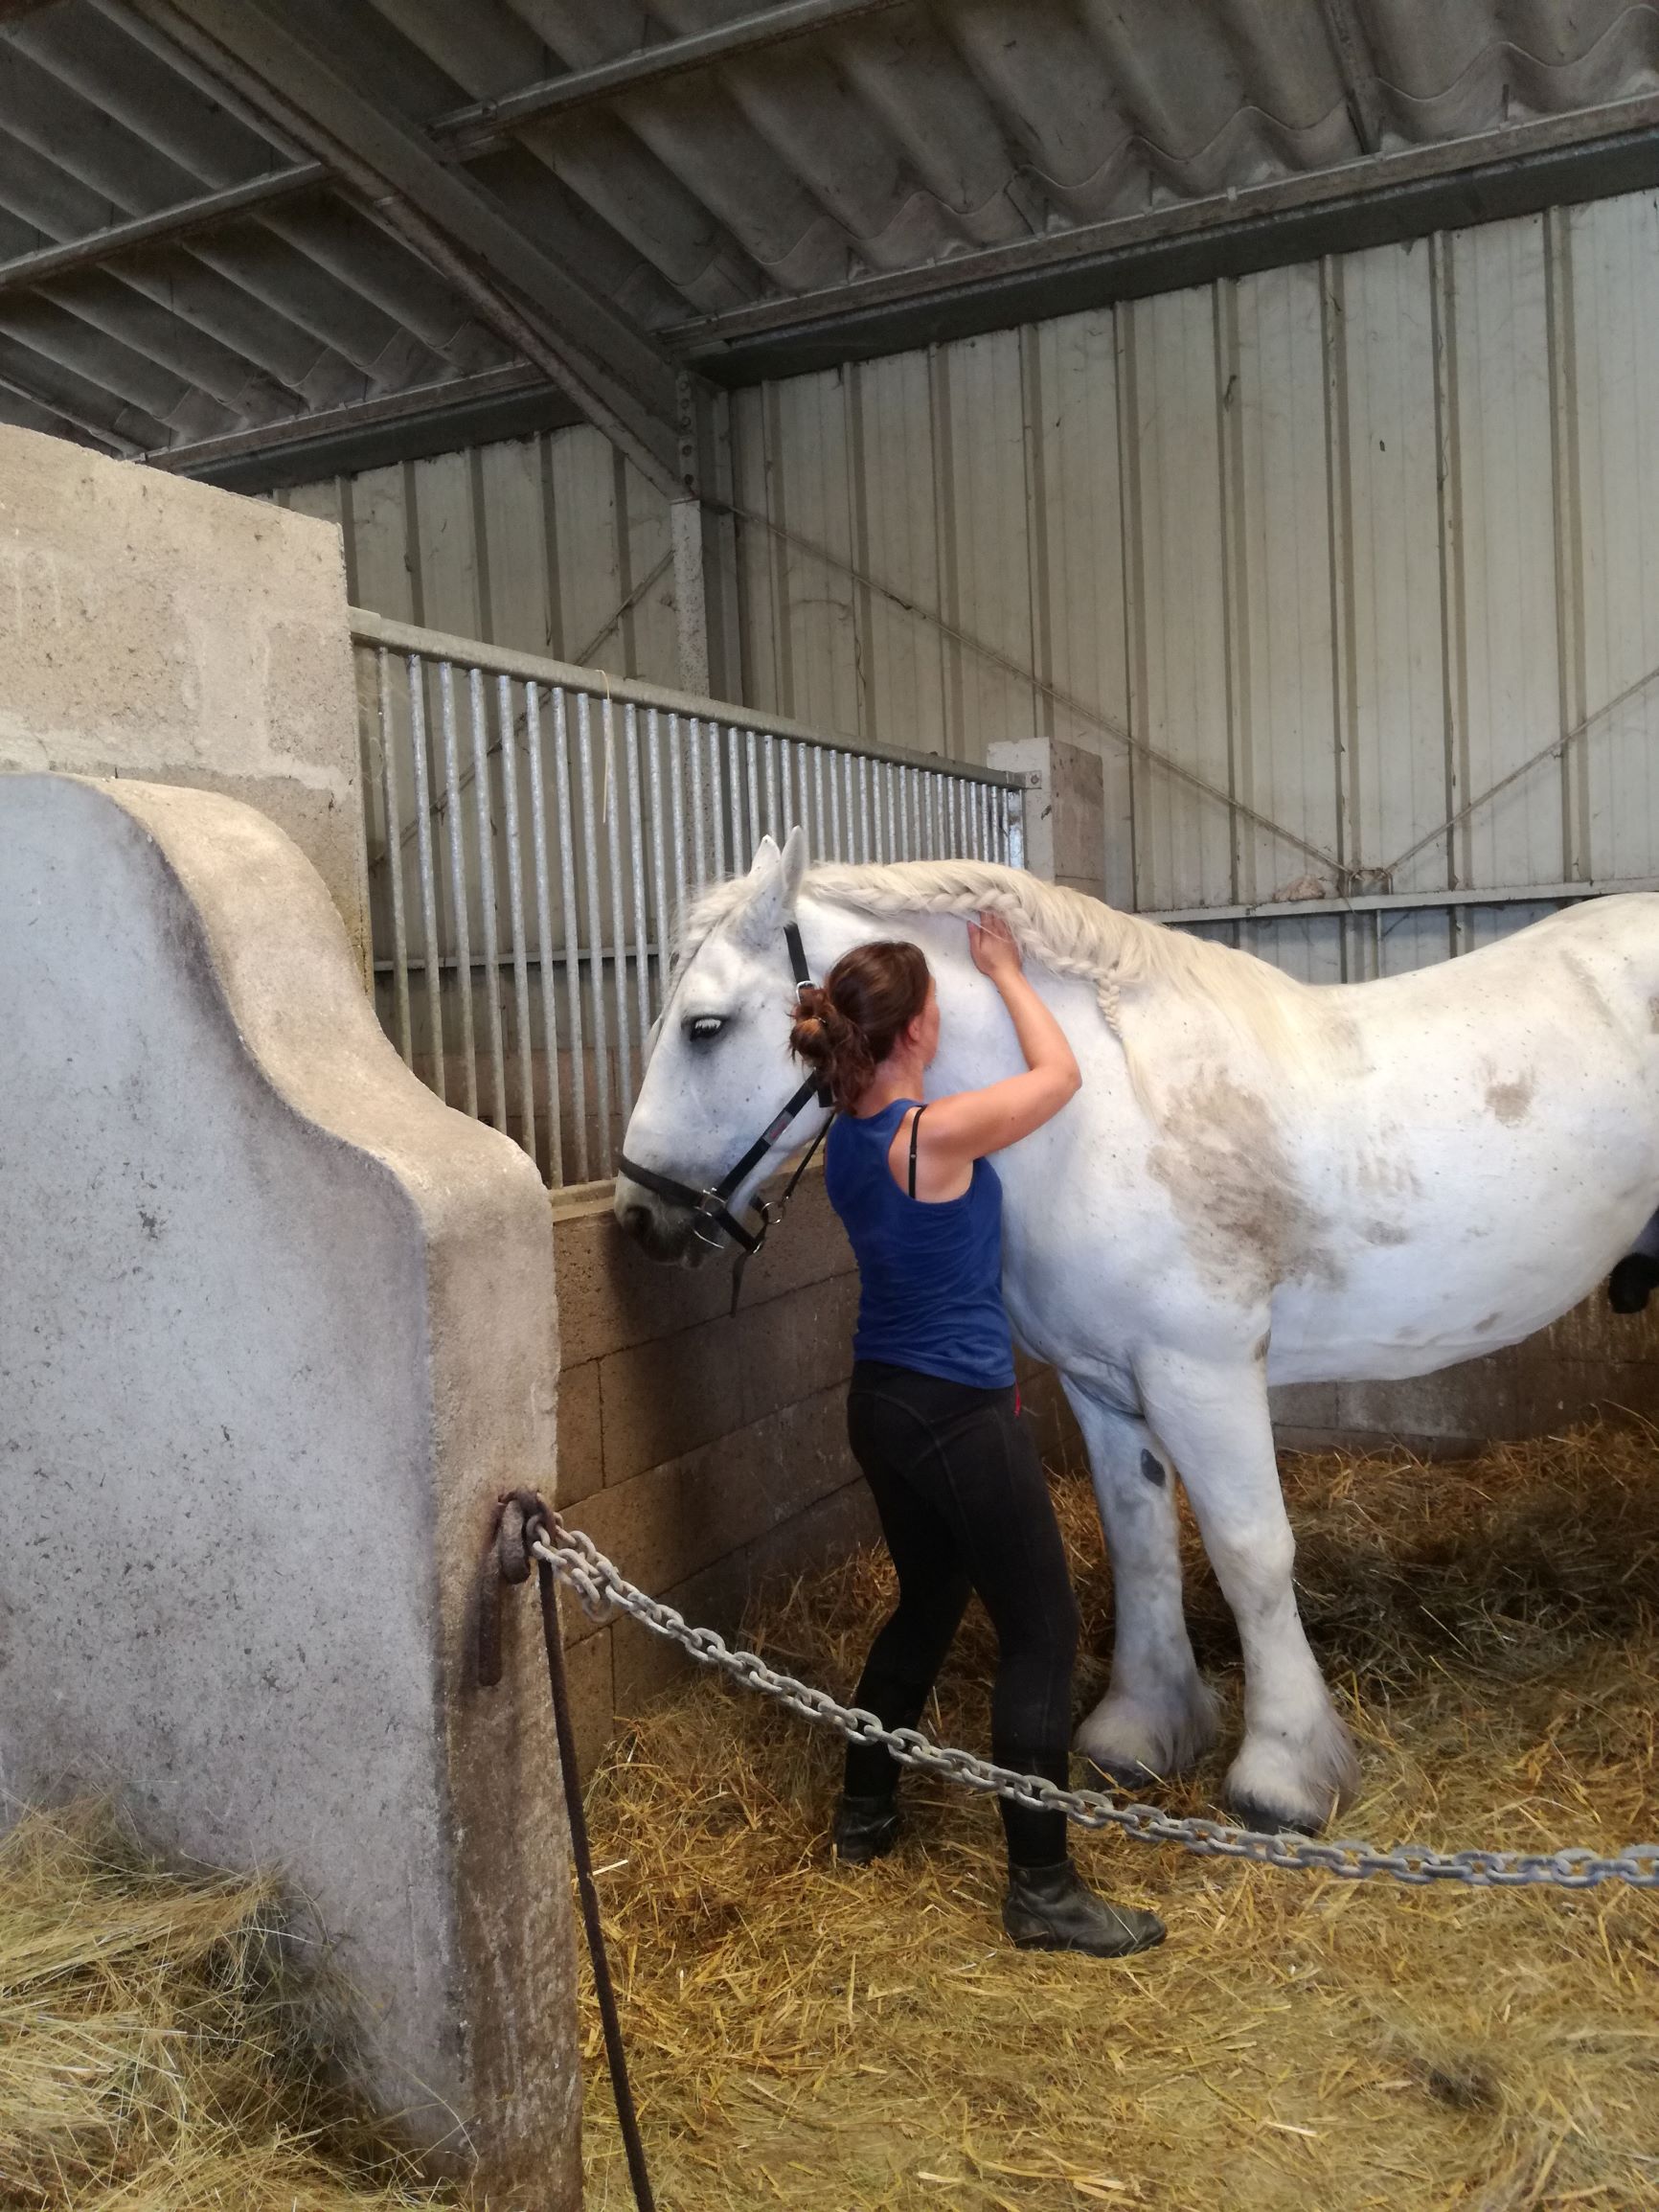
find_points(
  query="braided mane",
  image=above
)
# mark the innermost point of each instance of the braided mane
(1068, 933)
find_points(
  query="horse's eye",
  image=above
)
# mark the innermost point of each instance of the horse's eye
(705, 1026)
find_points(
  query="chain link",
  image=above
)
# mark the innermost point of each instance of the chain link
(578, 1561)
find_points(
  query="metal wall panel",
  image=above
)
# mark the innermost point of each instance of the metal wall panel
(1315, 558)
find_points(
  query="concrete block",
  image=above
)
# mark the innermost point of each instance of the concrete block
(587, 1667)
(661, 1399)
(276, 1327)
(796, 1345)
(155, 628)
(1065, 809)
(580, 1432)
(611, 1297)
(646, 1665)
(675, 1520)
(1480, 1398)
(1303, 1408)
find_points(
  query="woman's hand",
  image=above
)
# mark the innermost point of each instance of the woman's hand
(990, 940)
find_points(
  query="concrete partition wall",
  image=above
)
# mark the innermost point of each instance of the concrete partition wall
(158, 629)
(276, 1328)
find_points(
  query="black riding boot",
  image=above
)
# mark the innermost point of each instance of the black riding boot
(866, 1828)
(1053, 1908)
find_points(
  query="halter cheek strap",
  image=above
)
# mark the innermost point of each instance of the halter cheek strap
(713, 1217)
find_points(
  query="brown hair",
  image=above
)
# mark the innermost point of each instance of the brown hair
(848, 1025)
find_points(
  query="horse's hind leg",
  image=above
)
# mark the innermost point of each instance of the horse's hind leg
(1158, 1715)
(1636, 1277)
(1297, 1764)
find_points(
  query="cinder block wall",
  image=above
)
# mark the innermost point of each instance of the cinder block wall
(1591, 1361)
(704, 1452)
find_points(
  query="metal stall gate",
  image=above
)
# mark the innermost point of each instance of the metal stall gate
(535, 831)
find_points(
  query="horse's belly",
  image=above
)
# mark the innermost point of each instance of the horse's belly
(1500, 1259)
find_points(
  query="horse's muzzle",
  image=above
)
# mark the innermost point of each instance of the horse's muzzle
(661, 1229)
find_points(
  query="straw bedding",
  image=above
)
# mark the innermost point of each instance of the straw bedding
(828, 2041)
(841, 2042)
(157, 2051)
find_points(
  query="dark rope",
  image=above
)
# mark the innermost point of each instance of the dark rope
(521, 1522)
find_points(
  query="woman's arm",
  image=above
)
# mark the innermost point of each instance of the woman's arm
(962, 1128)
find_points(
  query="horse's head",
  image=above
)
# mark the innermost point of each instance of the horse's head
(719, 1068)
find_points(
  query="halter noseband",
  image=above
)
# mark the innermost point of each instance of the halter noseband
(711, 1216)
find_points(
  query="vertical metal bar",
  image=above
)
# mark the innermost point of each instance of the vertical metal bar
(678, 802)
(775, 824)
(695, 825)
(457, 882)
(741, 846)
(428, 875)
(487, 888)
(786, 810)
(658, 860)
(395, 859)
(619, 926)
(516, 908)
(750, 753)
(822, 850)
(866, 848)
(544, 935)
(723, 797)
(912, 844)
(572, 933)
(594, 948)
(889, 778)
(637, 863)
(844, 809)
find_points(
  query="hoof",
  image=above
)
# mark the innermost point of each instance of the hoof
(1263, 1820)
(1632, 1282)
(1141, 1748)
(1299, 1784)
(1134, 1781)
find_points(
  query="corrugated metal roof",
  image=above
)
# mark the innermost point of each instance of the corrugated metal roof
(894, 168)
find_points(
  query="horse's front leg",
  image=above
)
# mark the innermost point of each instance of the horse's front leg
(1158, 1715)
(1297, 1764)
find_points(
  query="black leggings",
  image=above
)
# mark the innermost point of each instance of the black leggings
(965, 1508)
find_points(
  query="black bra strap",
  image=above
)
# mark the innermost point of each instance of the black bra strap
(915, 1125)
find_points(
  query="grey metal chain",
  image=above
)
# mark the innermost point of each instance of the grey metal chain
(578, 1561)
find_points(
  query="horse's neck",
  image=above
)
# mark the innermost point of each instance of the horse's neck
(977, 1043)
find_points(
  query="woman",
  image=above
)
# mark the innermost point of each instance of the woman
(931, 1412)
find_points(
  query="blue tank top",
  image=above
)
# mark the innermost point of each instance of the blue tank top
(929, 1274)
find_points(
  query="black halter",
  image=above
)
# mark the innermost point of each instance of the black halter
(711, 1216)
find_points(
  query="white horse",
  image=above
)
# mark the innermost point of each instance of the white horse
(1260, 1181)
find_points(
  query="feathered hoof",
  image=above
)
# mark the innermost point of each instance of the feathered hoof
(1632, 1283)
(1275, 1785)
(1266, 1821)
(1140, 1746)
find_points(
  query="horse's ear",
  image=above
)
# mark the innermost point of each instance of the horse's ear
(762, 915)
(794, 863)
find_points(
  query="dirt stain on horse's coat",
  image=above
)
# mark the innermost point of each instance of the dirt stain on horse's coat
(1384, 1233)
(1222, 1161)
(1510, 1102)
(1153, 1467)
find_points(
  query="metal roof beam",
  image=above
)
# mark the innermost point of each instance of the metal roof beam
(1378, 199)
(514, 401)
(211, 207)
(612, 372)
(1353, 51)
(486, 123)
